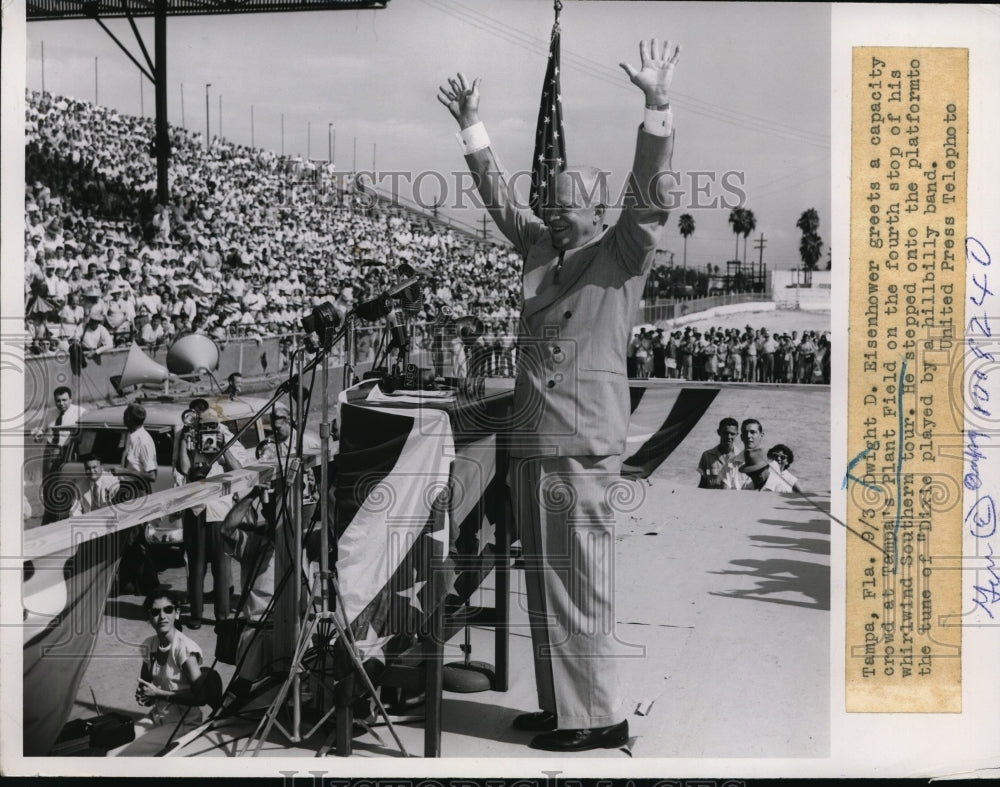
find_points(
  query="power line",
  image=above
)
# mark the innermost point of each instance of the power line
(592, 68)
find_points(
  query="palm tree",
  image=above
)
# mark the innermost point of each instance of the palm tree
(686, 226)
(810, 249)
(808, 222)
(749, 225)
(737, 217)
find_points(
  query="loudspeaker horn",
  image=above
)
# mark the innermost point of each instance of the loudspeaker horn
(193, 354)
(469, 327)
(140, 368)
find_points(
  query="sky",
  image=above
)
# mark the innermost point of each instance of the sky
(751, 94)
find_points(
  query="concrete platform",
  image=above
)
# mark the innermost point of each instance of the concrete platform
(723, 599)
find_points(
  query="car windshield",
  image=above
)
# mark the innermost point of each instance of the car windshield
(108, 443)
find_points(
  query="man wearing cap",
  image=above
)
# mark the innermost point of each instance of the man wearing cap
(203, 541)
(93, 337)
(581, 285)
(121, 313)
(284, 439)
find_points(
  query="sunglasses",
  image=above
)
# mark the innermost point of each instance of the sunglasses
(167, 610)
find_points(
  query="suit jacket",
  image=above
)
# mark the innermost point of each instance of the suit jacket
(571, 394)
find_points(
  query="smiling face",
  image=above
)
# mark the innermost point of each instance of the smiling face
(93, 469)
(577, 211)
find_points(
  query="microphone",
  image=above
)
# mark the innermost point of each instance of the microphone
(397, 330)
(380, 306)
(411, 294)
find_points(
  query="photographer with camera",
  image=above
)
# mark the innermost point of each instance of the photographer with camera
(197, 445)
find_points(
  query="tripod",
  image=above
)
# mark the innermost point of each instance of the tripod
(317, 630)
(321, 621)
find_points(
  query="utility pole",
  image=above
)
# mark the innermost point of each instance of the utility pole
(485, 224)
(760, 244)
(207, 116)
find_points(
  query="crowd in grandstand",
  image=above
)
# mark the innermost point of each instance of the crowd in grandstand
(250, 242)
(731, 355)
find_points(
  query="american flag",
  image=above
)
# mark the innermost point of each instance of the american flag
(550, 142)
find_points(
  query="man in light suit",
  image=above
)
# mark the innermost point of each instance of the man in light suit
(581, 286)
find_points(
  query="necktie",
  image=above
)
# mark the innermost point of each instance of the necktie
(59, 419)
(559, 265)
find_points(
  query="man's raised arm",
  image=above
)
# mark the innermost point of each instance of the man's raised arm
(647, 206)
(462, 99)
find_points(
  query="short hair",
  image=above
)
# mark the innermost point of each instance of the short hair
(234, 374)
(89, 458)
(781, 447)
(62, 389)
(749, 421)
(135, 413)
(726, 422)
(160, 592)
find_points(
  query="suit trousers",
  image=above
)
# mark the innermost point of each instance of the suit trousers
(203, 543)
(567, 531)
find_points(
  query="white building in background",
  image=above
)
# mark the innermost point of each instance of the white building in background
(790, 290)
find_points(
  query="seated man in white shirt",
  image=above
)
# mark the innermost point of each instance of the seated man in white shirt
(100, 490)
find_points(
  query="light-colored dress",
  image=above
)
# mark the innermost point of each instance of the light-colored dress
(155, 730)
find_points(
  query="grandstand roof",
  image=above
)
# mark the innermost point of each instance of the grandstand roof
(37, 10)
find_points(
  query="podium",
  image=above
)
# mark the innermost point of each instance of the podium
(421, 509)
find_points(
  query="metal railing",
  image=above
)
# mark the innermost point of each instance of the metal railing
(680, 307)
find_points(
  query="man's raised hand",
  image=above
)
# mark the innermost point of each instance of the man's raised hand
(461, 99)
(657, 71)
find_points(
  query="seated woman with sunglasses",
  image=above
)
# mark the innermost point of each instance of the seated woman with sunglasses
(169, 681)
(781, 457)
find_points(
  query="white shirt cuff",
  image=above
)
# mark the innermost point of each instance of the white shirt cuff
(473, 138)
(659, 123)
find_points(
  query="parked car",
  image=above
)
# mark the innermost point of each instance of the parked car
(100, 432)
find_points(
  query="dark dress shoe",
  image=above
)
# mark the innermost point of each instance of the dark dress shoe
(539, 721)
(611, 737)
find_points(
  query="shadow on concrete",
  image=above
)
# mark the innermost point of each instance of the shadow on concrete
(782, 576)
(126, 610)
(814, 546)
(480, 720)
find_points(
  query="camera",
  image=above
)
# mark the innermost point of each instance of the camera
(202, 434)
